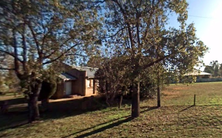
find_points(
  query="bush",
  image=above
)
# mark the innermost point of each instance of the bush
(148, 91)
(48, 89)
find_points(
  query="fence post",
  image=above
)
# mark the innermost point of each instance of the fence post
(194, 99)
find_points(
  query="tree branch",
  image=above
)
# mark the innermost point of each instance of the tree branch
(49, 31)
(162, 58)
(24, 47)
(16, 64)
(35, 39)
(128, 26)
(60, 56)
(116, 32)
(48, 56)
(137, 30)
(11, 54)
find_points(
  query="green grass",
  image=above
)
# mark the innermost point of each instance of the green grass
(206, 94)
(176, 118)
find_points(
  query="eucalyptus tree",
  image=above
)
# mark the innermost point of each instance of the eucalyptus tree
(141, 30)
(215, 65)
(42, 34)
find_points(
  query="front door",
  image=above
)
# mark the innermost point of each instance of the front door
(68, 88)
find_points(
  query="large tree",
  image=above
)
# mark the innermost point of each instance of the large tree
(140, 30)
(209, 69)
(215, 68)
(42, 34)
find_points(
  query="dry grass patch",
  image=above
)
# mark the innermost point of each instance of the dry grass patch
(176, 118)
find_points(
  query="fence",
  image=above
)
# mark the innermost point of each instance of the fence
(208, 79)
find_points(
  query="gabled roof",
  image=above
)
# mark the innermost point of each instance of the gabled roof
(90, 71)
(197, 73)
(66, 76)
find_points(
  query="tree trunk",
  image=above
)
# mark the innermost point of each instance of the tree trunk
(33, 102)
(45, 104)
(158, 91)
(120, 101)
(106, 86)
(94, 86)
(33, 107)
(136, 101)
(158, 96)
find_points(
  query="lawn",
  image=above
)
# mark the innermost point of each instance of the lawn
(176, 118)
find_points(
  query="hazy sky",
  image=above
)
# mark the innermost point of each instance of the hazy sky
(207, 17)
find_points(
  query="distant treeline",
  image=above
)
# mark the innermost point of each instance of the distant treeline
(215, 68)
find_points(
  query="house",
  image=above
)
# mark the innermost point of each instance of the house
(76, 81)
(199, 74)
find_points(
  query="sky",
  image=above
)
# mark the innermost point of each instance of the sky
(207, 18)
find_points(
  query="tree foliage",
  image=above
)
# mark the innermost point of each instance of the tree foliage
(215, 68)
(140, 30)
(39, 35)
(138, 41)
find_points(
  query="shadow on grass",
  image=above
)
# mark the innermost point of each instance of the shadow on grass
(18, 114)
(186, 108)
(108, 126)
(73, 107)
(148, 108)
(12, 120)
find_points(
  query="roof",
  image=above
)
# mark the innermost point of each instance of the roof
(66, 76)
(90, 71)
(197, 73)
